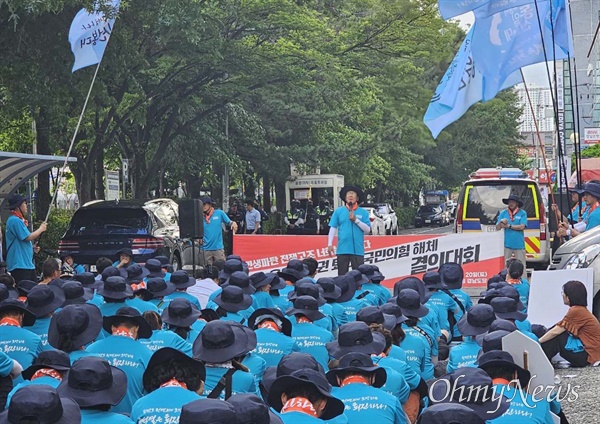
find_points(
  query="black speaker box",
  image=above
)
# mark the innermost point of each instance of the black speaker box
(191, 218)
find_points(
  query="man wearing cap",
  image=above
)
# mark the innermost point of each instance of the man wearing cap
(123, 350)
(212, 243)
(357, 382)
(19, 247)
(592, 218)
(513, 221)
(351, 224)
(511, 380)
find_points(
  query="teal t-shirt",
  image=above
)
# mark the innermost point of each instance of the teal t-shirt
(92, 416)
(165, 338)
(366, 403)
(514, 239)
(463, 355)
(213, 230)
(272, 346)
(312, 339)
(19, 253)
(593, 219)
(351, 239)
(162, 405)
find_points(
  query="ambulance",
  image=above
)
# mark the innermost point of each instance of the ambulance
(480, 203)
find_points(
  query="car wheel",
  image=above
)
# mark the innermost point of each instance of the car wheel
(176, 262)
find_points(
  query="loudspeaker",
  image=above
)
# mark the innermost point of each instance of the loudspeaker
(191, 218)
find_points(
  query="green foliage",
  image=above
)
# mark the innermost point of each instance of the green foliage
(591, 152)
(58, 222)
(406, 216)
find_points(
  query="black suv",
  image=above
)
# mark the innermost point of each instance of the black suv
(102, 228)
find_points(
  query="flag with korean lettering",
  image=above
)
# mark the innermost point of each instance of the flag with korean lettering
(481, 8)
(89, 35)
(509, 40)
(461, 86)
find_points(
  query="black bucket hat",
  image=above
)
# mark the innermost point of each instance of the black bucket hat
(44, 299)
(53, 359)
(509, 291)
(238, 279)
(515, 198)
(42, 404)
(476, 320)
(7, 293)
(359, 193)
(180, 313)
(278, 283)
(154, 268)
(207, 200)
(92, 381)
(168, 354)
(260, 279)
(158, 287)
(307, 306)
(359, 277)
(412, 283)
(445, 413)
(130, 314)
(208, 411)
(371, 272)
(251, 409)
(273, 314)
(593, 189)
(231, 266)
(307, 289)
(25, 286)
(15, 201)
(221, 341)
(433, 280)
(356, 337)
(81, 323)
(374, 315)
(492, 340)
(357, 362)
(76, 293)
(136, 273)
(394, 310)
(236, 257)
(347, 286)
(57, 282)
(451, 274)
(113, 271)
(288, 364)
(115, 288)
(88, 280)
(125, 251)
(294, 270)
(499, 358)
(182, 280)
(471, 387)
(233, 299)
(410, 304)
(507, 308)
(334, 406)
(330, 290)
(208, 315)
(18, 306)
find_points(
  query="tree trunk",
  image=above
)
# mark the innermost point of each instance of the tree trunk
(98, 181)
(266, 193)
(280, 194)
(82, 182)
(43, 148)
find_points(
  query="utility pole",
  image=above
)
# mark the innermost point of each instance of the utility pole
(225, 189)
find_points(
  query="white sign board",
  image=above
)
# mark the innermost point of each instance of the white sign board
(545, 300)
(113, 183)
(591, 135)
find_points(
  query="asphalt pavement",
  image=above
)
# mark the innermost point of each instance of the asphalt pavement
(427, 230)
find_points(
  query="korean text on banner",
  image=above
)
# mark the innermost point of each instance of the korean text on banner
(481, 255)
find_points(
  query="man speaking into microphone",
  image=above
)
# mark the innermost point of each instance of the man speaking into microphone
(351, 224)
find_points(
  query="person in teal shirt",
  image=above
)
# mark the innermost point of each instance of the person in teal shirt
(221, 346)
(305, 287)
(501, 367)
(514, 222)
(18, 343)
(451, 274)
(163, 338)
(40, 404)
(514, 277)
(208, 411)
(357, 382)
(273, 335)
(122, 349)
(351, 224)
(372, 273)
(366, 296)
(309, 337)
(591, 218)
(475, 322)
(93, 383)
(158, 289)
(19, 247)
(304, 397)
(250, 409)
(331, 293)
(261, 282)
(347, 299)
(212, 247)
(172, 379)
(280, 301)
(48, 369)
(181, 280)
(115, 291)
(233, 304)
(507, 308)
(179, 317)
(42, 301)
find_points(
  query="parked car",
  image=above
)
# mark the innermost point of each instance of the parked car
(582, 251)
(432, 215)
(389, 217)
(377, 224)
(150, 228)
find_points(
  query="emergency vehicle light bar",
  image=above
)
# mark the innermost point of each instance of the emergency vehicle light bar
(499, 173)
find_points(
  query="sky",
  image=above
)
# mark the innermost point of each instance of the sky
(534, 74)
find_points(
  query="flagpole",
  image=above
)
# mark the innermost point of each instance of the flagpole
(61, 173)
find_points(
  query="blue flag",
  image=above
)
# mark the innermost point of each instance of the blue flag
(481, 8)
(507, 41)
(89, 35)
(461, 87)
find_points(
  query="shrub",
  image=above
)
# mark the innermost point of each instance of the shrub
(406, 216)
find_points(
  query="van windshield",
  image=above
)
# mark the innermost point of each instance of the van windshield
(484, 201)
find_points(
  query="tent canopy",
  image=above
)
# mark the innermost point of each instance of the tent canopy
(18, 168)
